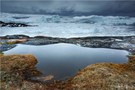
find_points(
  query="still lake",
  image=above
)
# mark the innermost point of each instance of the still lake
(64, 60)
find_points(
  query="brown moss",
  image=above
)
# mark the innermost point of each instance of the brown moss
(17, 67)
(17, 61)
(131, 63)
(1, 55)
(13, 41)
(102, 76)
(105, 76)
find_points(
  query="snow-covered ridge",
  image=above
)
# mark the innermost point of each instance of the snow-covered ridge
(67, 26)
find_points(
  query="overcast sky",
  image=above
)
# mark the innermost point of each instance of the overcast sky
(70, 7)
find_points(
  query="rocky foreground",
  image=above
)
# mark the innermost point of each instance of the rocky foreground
(16, 71)
(121, 42)
(106, 76)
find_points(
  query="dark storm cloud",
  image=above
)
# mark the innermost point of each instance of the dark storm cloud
(70, 7)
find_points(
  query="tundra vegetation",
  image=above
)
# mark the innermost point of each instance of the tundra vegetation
(16, 71)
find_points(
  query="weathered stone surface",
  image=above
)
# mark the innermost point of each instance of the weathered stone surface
(121, 42)
(14, 37)
(12, 41)
(5, 47)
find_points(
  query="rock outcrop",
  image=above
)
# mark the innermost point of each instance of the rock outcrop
(106, 76)
(12, 24)
(17, 67)
(121, 42)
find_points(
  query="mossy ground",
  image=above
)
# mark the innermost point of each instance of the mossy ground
(106, 76)
(102, 76)
(16, 68)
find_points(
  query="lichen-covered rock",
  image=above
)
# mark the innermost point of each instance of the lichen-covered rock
(106, 76)
(17, 67)
(12, 41)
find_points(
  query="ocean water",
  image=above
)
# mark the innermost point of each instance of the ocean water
(69, 26)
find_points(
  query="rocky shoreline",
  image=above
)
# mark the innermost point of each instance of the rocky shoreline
(101, 76)
(121, 42)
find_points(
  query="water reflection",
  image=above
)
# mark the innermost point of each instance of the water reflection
(64, 60)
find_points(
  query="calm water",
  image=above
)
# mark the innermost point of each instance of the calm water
(64, 60)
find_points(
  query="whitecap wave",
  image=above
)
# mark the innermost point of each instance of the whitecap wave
(67, 26)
